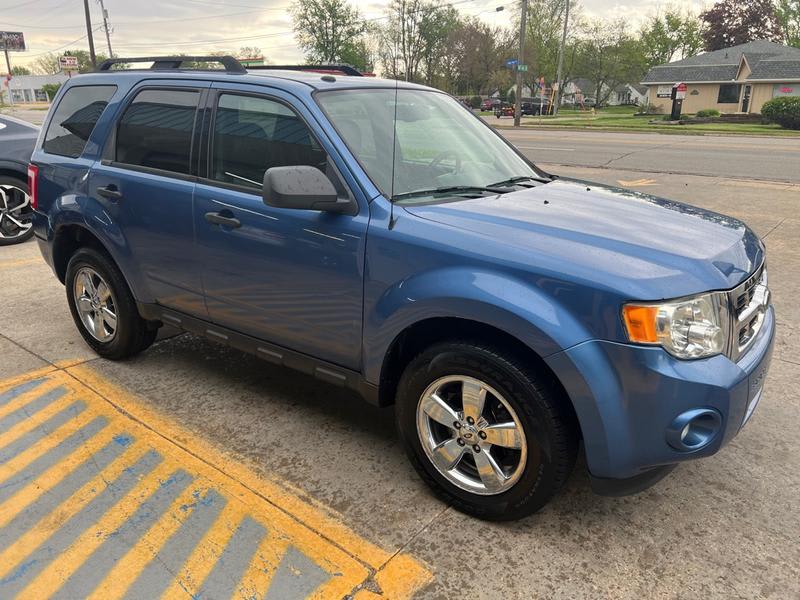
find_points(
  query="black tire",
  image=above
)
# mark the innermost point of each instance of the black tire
(133, 333)
(28, 214)
(549, 426)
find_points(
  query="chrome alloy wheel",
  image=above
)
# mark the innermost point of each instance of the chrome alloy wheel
(471, 435)
(95, 304)
(16, 215)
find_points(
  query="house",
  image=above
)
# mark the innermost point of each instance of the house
(738, 79)
(28, 88)
(627, 94)
(578, 90)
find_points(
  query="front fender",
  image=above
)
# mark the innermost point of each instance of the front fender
(493, 299)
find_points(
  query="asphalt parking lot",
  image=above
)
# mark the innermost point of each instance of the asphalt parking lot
(227, 476)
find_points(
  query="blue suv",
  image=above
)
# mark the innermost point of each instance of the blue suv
(377, 235)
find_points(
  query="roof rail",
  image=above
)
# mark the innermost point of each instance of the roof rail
(165, 63)
(328, 69)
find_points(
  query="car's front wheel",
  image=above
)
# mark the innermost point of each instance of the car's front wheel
(486, 431)
(103, 307)
(16, 213)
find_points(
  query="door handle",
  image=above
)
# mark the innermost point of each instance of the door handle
(110, 191)
(222, 218)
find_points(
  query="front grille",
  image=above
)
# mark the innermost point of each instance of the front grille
(749, 302)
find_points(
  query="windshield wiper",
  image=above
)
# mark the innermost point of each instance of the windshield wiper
(519, 179)
(455, 190)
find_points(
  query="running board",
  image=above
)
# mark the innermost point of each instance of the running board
(277, 355)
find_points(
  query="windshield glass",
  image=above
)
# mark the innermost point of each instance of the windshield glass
(439, 144)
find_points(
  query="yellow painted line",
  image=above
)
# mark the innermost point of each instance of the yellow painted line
(23, 459)
(25, 398)
(12, 434)
(51, 578)
(22, 546)
(122, 576)
(289, 519)
(205, 555)
(259, 574)
(52, 476)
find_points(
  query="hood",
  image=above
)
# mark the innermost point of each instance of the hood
(647, 248)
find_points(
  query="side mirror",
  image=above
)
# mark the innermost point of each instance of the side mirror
(303, 188)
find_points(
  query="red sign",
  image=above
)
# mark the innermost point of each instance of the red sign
(682, 87)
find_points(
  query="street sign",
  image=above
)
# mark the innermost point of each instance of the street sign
(522, 68)
(68, 63)
(12, 41)
(512, 62)
(680, 91)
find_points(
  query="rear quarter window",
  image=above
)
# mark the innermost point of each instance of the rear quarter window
(75, 117)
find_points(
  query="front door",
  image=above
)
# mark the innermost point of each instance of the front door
(746, 99)
(146, 184)
(290, 277)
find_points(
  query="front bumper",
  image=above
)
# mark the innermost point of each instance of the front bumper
(627, 397)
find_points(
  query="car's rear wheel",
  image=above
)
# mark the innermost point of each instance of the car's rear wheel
(487, 432)
(103, 307)
(16, 213)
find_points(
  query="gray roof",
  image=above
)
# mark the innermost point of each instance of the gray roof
(723, 65)
(776, 69)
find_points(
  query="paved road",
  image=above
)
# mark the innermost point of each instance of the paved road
(764, 158)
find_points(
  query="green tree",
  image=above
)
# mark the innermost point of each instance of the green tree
(733, 22)
(327, 30)
(670, 36)
(20, 70)
(51, 89)
(788, 15)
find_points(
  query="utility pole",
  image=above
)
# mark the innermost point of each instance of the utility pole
(561, 59)
(8, 79)
(105, 26)
(523, 20)
(89, 33)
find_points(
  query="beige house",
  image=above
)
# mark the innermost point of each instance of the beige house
(732, 80)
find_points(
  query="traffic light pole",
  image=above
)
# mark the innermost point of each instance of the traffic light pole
(89, 33)
(560, 69)
(523, 20)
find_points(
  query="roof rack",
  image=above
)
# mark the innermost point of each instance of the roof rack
(328, 69)
(166, 63)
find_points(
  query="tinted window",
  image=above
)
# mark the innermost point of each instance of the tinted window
(75, 118)
(252, 135)
(729, 93)
(156, 130)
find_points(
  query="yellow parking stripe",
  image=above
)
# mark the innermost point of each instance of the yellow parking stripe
(26, 397)
(205, 555)
(51, 578)
(22, 546)
(258, 575)
(120, 578)
(51, 477)
(23, 459)
(74, 483)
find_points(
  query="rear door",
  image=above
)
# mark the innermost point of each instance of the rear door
(291, 277)
(147, 180)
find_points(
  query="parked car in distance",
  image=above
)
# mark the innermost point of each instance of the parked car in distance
(504, 110)
(536, 106)
(490, 104)
(17, 140)
(374, 235)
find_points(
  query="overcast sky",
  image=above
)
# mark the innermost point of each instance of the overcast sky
(146, 27)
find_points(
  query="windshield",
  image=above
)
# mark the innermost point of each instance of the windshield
(439, 144)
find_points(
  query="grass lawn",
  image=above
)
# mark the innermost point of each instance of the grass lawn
(621, 118)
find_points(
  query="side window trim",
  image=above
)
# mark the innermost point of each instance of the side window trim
(212, 106)
(110, 148)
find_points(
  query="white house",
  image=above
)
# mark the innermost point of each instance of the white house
(628, 93)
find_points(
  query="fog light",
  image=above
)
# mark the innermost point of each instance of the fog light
(694, 429)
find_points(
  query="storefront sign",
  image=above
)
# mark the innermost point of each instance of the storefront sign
(785, 89)
(664, 91)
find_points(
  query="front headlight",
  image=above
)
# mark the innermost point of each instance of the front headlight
(687, 328)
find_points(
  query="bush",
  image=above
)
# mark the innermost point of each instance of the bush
(51, 89)
(475, 102)
(707, 112)
(784, 111)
